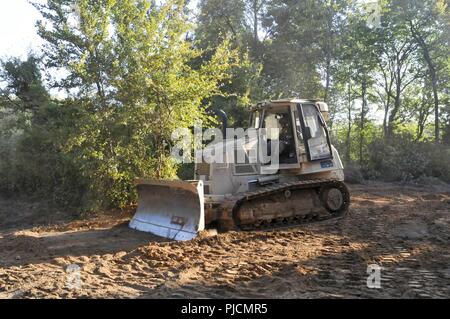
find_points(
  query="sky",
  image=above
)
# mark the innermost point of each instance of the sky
(17, 28)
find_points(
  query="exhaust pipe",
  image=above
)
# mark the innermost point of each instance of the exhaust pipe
(224, 117)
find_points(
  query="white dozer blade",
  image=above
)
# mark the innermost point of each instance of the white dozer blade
(170, 209)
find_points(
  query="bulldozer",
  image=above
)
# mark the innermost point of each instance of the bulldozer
(305, 185)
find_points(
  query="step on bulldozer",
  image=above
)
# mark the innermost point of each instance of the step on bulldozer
(307, 184)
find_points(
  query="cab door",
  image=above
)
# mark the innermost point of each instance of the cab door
(280, 118)
(314, 132)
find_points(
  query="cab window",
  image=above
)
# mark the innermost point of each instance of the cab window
(317, 137)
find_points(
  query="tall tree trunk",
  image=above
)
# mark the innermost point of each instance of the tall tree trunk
(255, 23)
(397, 103)
(385, 129)
(424, 112)
(436, 104)
(386, 113)
(349, 128)
(393, 116)
(362, 121)
(328, 77)
(434, 80)
(421, 121)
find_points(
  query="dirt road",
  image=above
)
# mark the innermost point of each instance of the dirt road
(405, 230)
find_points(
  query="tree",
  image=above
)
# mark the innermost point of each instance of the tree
(292, 55)
(399, 69)
(24, 90)
(32, 157)
(255, 11)
(216, 24)
(418, 98)
(424, 20)
(137, 81)
(359, 53)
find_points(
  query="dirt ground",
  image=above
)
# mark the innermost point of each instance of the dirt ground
(403, 229)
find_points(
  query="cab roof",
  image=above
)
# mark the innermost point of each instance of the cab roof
(269, 103)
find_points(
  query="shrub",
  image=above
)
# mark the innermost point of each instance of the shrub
(401, 158)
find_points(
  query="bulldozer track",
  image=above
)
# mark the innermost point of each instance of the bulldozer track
(319, 185)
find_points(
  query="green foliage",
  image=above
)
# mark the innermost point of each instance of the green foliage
(372, 132)
(216, 24)
(404, 159)
(138, 82)
(31, 137)
(400, 158)
(24, 81)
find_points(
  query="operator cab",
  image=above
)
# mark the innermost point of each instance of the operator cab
(301, 130)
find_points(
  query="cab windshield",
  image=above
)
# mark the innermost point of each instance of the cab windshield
(318, 144)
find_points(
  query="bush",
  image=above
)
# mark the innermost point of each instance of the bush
(353, 174)
(403, 159)
(32, 165)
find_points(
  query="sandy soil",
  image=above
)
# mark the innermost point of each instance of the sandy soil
(405, 230)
